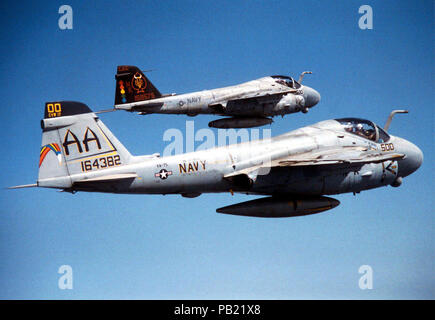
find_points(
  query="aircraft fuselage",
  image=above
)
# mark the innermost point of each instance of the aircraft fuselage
(205, 171)
(257, 98)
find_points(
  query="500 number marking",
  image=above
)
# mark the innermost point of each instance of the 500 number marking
(387, 146)
(100, 163)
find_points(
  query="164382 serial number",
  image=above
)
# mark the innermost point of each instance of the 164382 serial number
(100, 163)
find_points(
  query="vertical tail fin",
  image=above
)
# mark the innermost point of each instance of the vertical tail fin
(133, 86)
(75, 141)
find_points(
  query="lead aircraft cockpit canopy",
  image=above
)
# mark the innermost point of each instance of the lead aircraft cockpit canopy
(364, 128)
(287, 81)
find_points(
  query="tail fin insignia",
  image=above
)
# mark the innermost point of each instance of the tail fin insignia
(80, 142)
(133, 86)
(64, 108)
(46, 149)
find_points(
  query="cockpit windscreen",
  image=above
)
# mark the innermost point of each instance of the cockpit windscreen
(287, 81)
(383, 136)
(362, 128)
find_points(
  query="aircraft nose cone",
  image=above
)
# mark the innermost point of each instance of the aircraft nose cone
(412, 161)
(417, 157)
(312, 97)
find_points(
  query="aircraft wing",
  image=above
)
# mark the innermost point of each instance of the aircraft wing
(334, 156)
(356, 155)
(248, 98)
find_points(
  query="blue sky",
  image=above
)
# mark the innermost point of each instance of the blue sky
(169, 247)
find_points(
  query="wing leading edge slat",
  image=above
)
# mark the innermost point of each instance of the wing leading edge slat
(344, 156)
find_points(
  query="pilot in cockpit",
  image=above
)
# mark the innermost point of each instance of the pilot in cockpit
(370, 134)
(287, 81)
(365, 129)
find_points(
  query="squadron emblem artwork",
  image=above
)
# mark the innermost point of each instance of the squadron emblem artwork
(138, 83)
(294, 170)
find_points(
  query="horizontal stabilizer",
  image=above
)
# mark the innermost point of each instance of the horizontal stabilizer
(33, 185)
(109, 178)
(110, 183)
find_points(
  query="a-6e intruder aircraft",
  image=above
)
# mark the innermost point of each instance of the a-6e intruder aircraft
(295, 169)
(248, 104)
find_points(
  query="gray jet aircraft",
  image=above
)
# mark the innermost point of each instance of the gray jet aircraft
(249, 104)
(295, 170)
